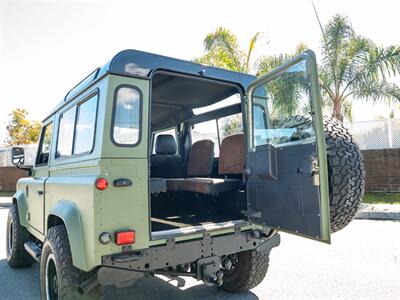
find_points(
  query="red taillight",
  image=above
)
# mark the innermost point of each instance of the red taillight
(101, 184)
(125, 237)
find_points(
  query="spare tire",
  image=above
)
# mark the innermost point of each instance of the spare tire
(345, 169)
(346, 173)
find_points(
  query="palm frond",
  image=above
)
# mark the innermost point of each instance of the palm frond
(252, 44)
(377, 90)
(223, 40)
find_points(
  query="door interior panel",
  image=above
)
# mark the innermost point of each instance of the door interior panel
(289, 200)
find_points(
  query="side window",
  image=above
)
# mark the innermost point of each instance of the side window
(217, 129)
(85, 126)
(169, 131)
(66, 133)
(230, 125)
(76, 129)
(44, 145)
(126, 118)
(206, 131)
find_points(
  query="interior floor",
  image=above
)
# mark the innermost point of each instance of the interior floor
(180, 210)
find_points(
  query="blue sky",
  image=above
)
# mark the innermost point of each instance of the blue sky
(46, 47)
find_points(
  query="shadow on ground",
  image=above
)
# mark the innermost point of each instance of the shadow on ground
(19, 283)
(155, 288)
(24, 284)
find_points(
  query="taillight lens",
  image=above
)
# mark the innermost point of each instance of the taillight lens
(125, 237)
(101, 184)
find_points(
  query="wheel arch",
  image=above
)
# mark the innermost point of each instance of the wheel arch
(66, 213)
(19, 199)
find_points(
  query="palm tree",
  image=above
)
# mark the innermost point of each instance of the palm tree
(353, 67)
(223, 51)
(285, 90)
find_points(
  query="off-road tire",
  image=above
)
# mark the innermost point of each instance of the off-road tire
(69, 277)
(346, 173)
(345, 169)
(17, 257)
(250, 271)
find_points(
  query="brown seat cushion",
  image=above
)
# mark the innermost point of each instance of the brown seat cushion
(199, 164)
(232, 155)
(231, 161)
(173, 184)
(209, 185)
(201, 158)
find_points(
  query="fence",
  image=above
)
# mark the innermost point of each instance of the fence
(377, 134)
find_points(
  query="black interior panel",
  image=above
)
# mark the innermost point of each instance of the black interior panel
(290, 201)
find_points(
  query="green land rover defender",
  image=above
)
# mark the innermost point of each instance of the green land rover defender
(157, 166)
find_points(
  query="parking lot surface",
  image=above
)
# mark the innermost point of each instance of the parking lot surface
(363, 262)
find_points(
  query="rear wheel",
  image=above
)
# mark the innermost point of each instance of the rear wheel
(59, 279)
(16, 236)
(244, 271)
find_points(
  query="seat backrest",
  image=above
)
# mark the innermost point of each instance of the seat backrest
(166, 163)
(165, 144)
(201, 158)
(232, 155)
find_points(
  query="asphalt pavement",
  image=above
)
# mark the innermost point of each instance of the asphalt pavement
(363, 262)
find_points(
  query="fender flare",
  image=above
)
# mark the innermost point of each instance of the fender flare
(68, 212)
(20, 199)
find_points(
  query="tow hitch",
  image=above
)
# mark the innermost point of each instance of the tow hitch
(209, 270)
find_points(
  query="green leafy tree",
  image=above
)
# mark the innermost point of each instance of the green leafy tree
(222, 50)
(20, 129)
(286, 90)
(231, 125)
(353, 67)
(267, 63)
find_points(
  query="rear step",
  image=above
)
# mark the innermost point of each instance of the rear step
(34, 250)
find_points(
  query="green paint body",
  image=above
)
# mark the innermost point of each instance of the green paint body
(70, 194)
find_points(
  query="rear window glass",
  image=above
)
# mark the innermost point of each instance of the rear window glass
(126, 126)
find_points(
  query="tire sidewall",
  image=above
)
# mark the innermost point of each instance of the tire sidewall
(241, 269)
(17, 257)
(47, 250)
(10, 235)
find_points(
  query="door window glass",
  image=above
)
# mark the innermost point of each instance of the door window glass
(85, 125)
(284, 114)
(44, 146)
(126, 128)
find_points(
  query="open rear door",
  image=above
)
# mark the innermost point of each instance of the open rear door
(287, 176)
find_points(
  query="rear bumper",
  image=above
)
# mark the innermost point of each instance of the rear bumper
(123, 267)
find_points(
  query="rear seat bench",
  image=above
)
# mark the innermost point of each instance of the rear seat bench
(199, 164)
(231, 161)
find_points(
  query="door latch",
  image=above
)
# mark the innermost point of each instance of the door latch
(311, 168)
